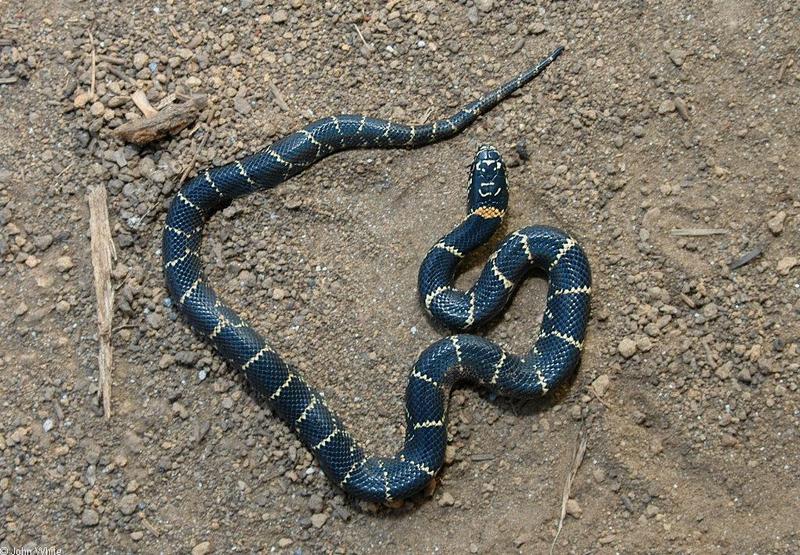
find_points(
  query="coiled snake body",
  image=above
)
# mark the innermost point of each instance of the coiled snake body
(456, 358)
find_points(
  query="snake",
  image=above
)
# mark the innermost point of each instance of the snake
(458, 358)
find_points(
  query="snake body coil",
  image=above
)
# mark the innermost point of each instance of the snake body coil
(459, 357)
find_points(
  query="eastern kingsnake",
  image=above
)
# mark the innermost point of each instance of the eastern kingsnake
(456, 358)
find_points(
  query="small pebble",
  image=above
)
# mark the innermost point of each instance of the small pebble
(627, 347)
(202, 548)
(318, 520)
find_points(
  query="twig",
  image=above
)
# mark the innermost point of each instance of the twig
(140, 99)
(121, 75)
(190, 166)
(279, 99)
(115, 60)
(102, 255)
(597, 395)
(62, 172)
(426, 116)
(697, 232)
(169, 121)
(8, 80)
(746, 258)
(367, 46)
(175, 34)
(6, 42)
(577, 459)
(787, 63)
(147, 524)
(94, 65)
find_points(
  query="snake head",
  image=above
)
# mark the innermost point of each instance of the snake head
(488, 181)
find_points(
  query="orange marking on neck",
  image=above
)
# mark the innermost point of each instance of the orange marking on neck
(488, 212)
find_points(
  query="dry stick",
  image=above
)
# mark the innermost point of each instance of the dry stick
(112, 59)
(94, 64)
(577, 459)
(169, 121)
(697, 232)
(278, 96)
(121, 75)
(362, 37)
(192, 162)
(140, 99)
(102, 255)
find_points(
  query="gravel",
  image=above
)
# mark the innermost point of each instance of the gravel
(653, 120)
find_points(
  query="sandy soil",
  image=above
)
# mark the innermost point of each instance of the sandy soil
(659, 117)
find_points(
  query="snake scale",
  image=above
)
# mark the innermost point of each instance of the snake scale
(457, 358)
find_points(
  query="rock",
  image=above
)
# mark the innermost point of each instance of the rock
(90, 517)
(446, 500)
(574, 509)
(484, 5)
(315, 504)
(280, 16)
(472, 15)
(600, 384)
(666, 107)
(677, 56)
(318, 520)
(20, 309)
(683, 110)
(710, 311)
(236, 59)
(64, 263)
(279, 294)
(786, 263)
(599, 475)
(97, 109)
(43, 241)
(127, 504)
(139, 60)
(627, 347)
(538, 28)
(775, 223)
(201, 548)
(241, 105)
(744, 376)
(725, 371)
(285, 542)
(638, 131)
(644, 343)
(82, 99)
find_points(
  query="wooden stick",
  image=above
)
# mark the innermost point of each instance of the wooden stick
(279, 99)
(168, 121)
(697, 232)
(102, 255)
(577, 459)
(367, 46)
(140, 99)
(94, 66)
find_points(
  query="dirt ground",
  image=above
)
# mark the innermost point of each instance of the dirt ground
(665, 139)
